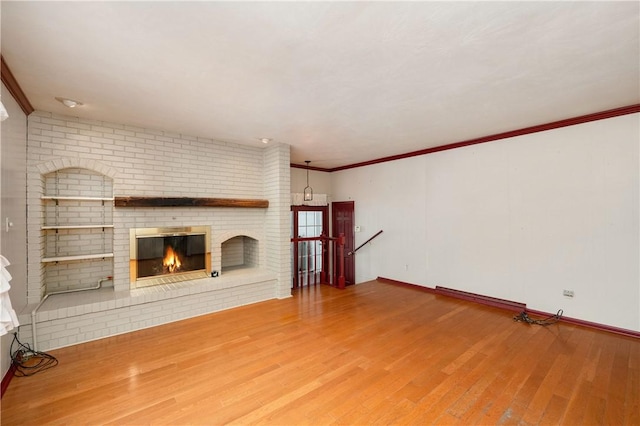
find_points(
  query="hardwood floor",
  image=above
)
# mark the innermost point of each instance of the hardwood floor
(371, 354)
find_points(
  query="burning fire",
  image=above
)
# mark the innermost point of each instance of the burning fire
(171, 260)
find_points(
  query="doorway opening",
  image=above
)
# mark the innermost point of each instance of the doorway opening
(309, 227)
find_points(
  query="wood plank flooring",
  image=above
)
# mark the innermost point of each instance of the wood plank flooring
(374, 353)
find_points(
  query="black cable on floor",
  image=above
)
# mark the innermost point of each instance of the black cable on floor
(523, 317)
(27, 361)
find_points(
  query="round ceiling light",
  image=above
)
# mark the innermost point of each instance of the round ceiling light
(69, 103)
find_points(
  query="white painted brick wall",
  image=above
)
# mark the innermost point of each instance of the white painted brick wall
(251, 252)
(77, 182)
(233, 252)
(240, 251)
(277, 189)
(146, 162)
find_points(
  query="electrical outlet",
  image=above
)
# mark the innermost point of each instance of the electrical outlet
(568, 293)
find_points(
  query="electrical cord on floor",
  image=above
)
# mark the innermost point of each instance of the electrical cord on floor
(523, 317)
(27, 361)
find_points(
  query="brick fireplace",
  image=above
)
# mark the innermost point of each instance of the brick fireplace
(248, 247)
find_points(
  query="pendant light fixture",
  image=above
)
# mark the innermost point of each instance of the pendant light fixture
(308, 191)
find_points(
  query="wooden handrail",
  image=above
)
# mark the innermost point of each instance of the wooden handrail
(365, 243)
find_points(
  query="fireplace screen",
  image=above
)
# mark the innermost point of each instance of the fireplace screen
(164, 255)
(170, 254)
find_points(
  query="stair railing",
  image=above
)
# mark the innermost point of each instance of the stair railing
(307, 271)
(364, 244)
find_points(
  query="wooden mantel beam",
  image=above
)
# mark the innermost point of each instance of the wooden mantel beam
(189, 202)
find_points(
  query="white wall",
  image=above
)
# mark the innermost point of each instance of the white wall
(13, 206)
(520, 219)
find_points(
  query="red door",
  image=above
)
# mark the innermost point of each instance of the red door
(342, 223)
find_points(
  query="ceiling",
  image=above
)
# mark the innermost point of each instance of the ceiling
(341, 82)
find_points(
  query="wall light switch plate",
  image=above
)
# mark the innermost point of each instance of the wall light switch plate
(357, 228)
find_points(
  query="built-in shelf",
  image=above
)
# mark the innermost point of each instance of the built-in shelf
(61, 198)
(80, 257)
(78, 226)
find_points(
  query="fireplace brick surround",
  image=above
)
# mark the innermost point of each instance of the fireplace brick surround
(145, 162)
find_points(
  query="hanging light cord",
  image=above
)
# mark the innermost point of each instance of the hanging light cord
(307, 161)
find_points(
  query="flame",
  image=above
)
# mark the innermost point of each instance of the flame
(171, 260)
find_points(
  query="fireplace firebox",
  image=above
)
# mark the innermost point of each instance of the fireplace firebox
(168, 255)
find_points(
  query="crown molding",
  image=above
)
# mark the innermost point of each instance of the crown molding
(616, 112)
(305, 167)
(14, 88)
